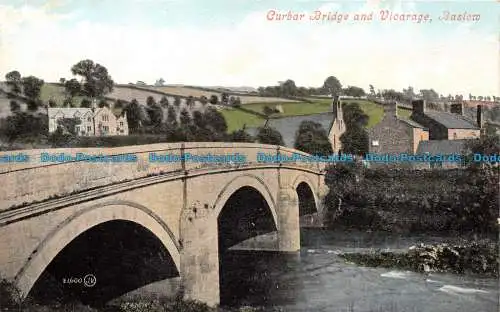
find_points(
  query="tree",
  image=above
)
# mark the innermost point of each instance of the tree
(160, 82)
(269, 135)
(354, 91)
(332, 86)
(241, 136)
(177, 101)
(480, 98)
(224, 98)
(96, 80)
(268, 111)
(69, 124)
(72, 87)
(150, 101)
(52, 103)
(14, 106)
(199, 119)
(68, 102)
(203, 100)
(62, 80)
(171, 116)
(184, 117)
(103, 103)
(355, 141)
(237, 102)
(409, 93)
(13, 80)
(25, 125)
(288, 88)
(32, 87)
(134, 115)
(354, 116)
(312, 138)
(164, 102)
(372, 90)
(214, 99)
(155, 114)
(429, 95)
(215, 120)
(119, 104)
(85, 103)
(190, 101)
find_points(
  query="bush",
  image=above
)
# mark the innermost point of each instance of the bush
(464, 201)
(9, 295)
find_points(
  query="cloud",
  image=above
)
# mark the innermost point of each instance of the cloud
(252, 51)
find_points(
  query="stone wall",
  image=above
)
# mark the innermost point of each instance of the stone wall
(393, 136)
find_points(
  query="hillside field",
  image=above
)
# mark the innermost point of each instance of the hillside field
(196, 92)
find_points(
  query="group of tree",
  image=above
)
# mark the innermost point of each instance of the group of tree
(29, 87)
(331, 86)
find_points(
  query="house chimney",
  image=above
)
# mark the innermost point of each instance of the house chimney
(335, 106)
(457, 108)
(418, 106)
(479, 116)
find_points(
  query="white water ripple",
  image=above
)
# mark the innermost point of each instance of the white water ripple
(455, 290)
(396, 274)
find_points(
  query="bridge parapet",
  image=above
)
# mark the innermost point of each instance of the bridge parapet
(36, 180)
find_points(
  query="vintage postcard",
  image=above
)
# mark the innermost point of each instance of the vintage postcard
(244, 155)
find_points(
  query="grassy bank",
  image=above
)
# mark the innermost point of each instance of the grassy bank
(469, 258)
(411, 201)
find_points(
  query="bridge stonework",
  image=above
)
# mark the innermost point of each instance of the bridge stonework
(44, 207)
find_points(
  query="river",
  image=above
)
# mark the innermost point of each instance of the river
(287, 126)
(318, 279)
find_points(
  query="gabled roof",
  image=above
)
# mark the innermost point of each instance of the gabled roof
(412, 123)
(451, 120)
(441, 146)
(68, 112)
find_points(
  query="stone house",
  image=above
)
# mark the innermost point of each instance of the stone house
(93, 122)
(337, 127)
(451, 125)
(447, 148)
(394, 134)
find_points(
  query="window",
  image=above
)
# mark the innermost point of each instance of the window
(89, 119)
(105, 118)
(375, 143)
(77, 128)
(454, 135)
(89, 128)
(106, 128)
(121, 123)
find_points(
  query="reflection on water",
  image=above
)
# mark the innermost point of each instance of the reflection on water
(317, 279)
(289, 125)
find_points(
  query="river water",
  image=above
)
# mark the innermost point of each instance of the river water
(287, 126)
(318, 279)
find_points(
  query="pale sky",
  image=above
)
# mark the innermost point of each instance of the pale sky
(231, 43)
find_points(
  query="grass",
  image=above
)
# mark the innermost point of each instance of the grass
(187, 91)
(235, 119)
(404, 113)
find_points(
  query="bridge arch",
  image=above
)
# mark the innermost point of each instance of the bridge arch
(86, 219)
(246, 180)
(306, 191)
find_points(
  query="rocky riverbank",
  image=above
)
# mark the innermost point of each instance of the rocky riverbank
(471, 258)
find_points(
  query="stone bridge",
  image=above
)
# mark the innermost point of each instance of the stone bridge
(59, 221)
